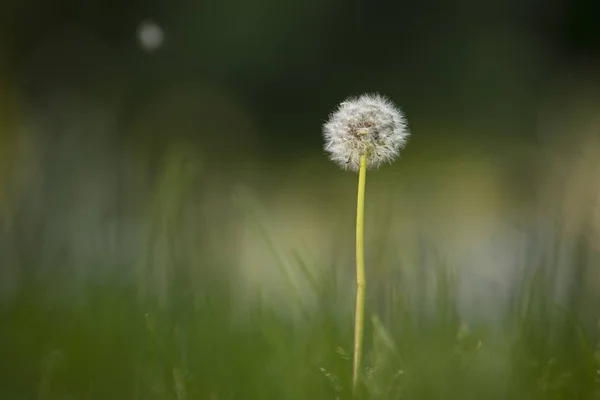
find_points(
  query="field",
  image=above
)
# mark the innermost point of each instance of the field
(253, 299)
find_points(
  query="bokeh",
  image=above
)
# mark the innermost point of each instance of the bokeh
(158, 156)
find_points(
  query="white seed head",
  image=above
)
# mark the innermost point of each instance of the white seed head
(370, 124)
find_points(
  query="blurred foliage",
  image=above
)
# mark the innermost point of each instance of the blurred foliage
(181, 329)
(9, 114)
(174, 231)
(115, 346)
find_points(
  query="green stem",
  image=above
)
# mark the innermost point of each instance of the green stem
(359, 316)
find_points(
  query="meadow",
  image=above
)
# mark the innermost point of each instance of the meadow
(235, 292)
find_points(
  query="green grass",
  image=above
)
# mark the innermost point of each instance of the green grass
(109, 342)
(113, 346)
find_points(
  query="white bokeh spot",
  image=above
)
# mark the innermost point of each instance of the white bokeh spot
(150, 35)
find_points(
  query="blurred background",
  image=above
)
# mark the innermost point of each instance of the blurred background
(169, 148)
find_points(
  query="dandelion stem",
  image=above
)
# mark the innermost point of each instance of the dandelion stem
(359, 316)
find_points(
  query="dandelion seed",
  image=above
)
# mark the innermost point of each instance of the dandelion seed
(370, 124)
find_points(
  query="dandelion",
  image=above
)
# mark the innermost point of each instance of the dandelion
(363, 133)
(369, 126)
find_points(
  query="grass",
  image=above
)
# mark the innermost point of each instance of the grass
(113, 345)
(109, 342)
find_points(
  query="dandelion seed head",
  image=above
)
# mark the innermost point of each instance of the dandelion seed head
(370, 124)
